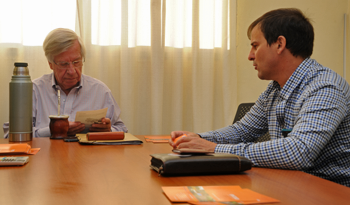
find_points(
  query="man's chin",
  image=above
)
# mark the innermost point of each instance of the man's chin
(261, 77)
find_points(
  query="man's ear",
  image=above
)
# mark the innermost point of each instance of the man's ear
(50, 64)
(281, 44)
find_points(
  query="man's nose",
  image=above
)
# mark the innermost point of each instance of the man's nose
(251, 56)
(71, 68)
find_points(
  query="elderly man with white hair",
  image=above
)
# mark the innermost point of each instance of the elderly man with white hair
(65, 53)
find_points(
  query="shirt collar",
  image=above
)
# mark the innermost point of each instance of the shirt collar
(295, 79)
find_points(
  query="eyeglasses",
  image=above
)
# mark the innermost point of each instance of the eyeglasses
(65, 65)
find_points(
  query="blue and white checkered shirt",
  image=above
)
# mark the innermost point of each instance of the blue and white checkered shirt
(315, 104)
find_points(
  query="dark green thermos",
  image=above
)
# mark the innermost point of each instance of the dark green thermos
(21, 117)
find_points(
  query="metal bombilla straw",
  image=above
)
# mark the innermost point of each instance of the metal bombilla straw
(59, 101)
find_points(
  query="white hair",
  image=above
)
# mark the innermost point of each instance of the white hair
(59, 40)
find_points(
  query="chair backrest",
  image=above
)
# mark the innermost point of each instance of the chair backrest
(242, 109)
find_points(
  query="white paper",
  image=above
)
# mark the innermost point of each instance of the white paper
(89, 117)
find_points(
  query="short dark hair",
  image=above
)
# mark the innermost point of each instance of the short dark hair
(290, 23)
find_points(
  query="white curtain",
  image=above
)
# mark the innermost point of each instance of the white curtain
(169, 63)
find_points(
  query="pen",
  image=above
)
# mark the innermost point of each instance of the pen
(59, 101)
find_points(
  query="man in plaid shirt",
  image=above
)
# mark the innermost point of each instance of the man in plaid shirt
(304, 97)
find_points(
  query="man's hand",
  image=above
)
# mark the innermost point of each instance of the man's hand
(176, 134)
(75, 127)
(190, 140)
(104, 126)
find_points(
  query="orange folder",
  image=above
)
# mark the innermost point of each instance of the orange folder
(17, 149)
(158, 139)
(215, 194)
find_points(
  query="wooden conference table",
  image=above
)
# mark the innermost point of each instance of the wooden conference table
(66, 173)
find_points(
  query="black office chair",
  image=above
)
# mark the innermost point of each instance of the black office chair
(242, 109)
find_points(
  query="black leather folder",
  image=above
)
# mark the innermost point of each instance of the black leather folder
(219, 163)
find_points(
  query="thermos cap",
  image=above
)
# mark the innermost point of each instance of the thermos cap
(18, 64)
(21, 69)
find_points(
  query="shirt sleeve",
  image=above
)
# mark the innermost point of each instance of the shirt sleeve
(323, 109)
(5, 127)
(113, 114)
(42, 131)
(252, 126)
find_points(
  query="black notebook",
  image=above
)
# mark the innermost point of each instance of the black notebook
(219, 163)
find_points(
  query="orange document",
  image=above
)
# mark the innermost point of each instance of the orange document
(17, 149)
(158, 139)
(215, 195)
